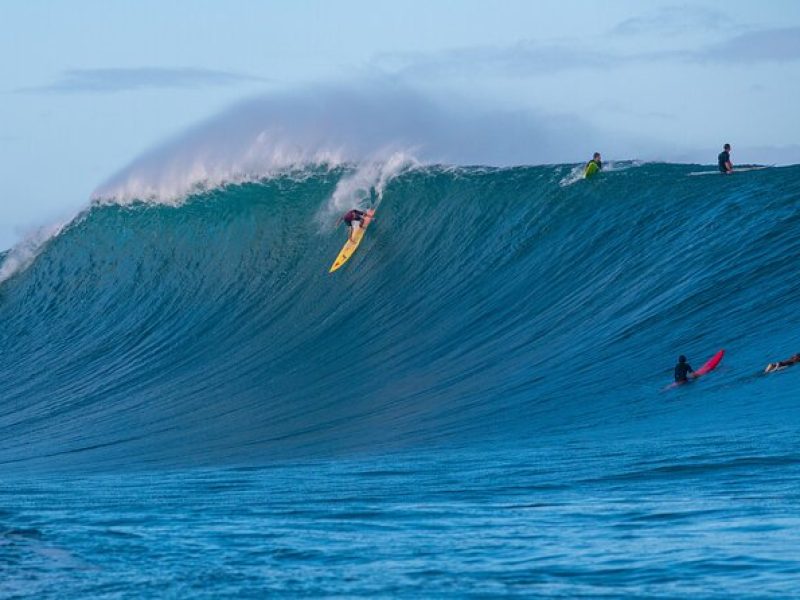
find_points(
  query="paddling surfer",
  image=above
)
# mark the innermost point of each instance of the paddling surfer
(595, 161)
(783, 363)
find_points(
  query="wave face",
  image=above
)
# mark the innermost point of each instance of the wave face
(484, 306)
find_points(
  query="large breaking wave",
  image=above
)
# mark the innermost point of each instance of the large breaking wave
(485, 305)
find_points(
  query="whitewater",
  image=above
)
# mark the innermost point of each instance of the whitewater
(192, 406)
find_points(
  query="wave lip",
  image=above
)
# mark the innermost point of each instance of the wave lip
(22, 255)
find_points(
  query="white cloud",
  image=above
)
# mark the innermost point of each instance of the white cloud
(677, 19)
(125, 79)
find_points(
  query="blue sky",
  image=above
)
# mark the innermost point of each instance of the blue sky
(89, 85)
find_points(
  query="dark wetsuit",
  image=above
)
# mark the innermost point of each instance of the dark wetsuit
(682, 370)
(724, 158)
(353, 215)
(792, 361)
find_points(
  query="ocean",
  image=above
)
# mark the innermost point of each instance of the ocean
(191, 406)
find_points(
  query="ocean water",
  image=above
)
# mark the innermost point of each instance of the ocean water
(474, 406)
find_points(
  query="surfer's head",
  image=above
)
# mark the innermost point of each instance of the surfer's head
(596, 156)
(727, 146)
(681, 359)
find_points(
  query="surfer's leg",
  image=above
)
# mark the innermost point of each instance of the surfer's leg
(353, 229)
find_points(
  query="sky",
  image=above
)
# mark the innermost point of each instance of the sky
(90, 85)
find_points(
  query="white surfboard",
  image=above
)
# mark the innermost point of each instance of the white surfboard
(735, 170)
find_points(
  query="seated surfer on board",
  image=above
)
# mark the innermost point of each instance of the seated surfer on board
(782, 364)
(596, 161)
(353, 219)
(682, 370)
(724, 160)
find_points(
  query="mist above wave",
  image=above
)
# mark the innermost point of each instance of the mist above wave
(336, 125)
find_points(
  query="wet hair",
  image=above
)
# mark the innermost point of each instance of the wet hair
(681, 358)
(727, 146)
(596, 155)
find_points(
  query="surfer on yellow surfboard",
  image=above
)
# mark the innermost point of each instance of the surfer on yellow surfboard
(357, 222)
(354, 219)
(593, 166)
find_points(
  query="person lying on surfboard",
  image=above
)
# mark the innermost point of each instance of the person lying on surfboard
(353, 219)
(682, 370)
(724, 160)
(596, 160)
(782, 364)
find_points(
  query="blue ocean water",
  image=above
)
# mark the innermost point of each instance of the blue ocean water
(192, 406)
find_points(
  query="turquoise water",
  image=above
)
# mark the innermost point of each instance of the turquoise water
(190, 405)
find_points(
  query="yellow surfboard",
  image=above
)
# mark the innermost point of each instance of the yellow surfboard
(590, 169)
(350, 246)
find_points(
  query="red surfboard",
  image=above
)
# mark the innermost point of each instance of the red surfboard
(709, 366)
